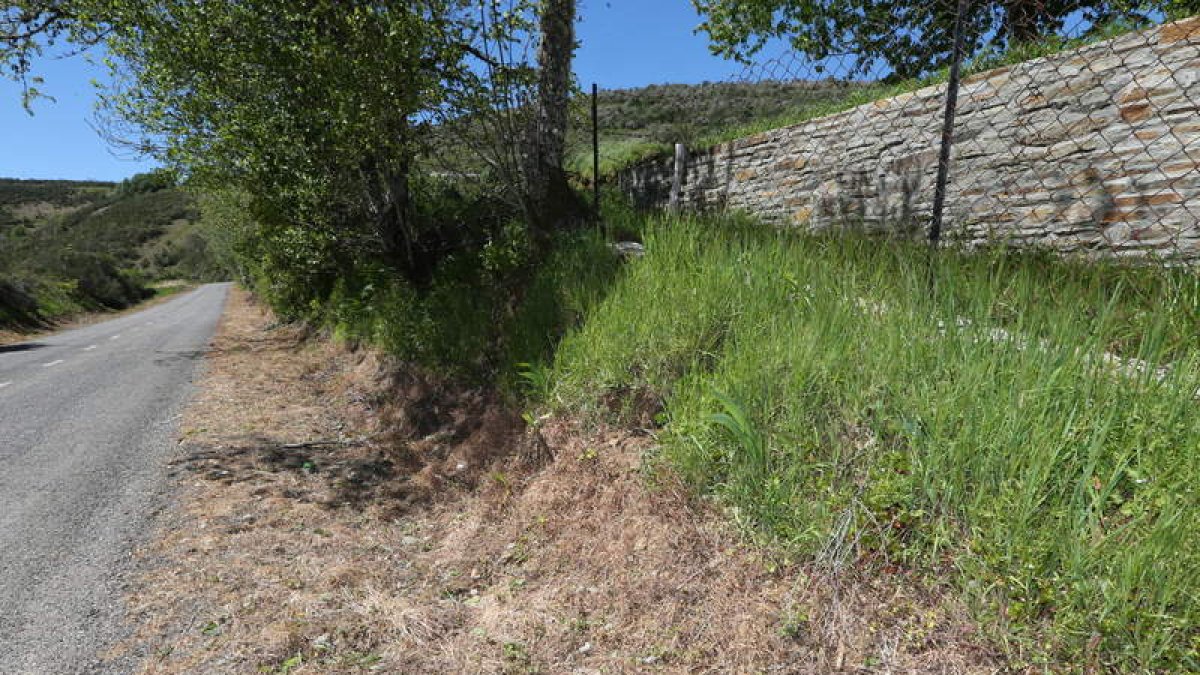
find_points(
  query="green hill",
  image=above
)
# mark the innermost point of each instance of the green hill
(68, 246)
(637, 123)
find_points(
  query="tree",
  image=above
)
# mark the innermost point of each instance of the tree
(550, 197)
(317, 110)
(310, 107)
(513, 117)
(909, 37)
(323, 111)
(28, 27)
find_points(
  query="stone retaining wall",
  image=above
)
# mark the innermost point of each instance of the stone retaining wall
(1093, 150)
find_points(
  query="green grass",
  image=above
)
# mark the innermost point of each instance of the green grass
(615, 155)
(168, 289)
(475, 321)
(811, 383)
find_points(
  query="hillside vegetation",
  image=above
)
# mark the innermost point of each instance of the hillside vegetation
(982, 433)
(641, 122)
(67, 246)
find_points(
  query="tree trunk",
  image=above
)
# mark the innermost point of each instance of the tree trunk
(395, 223)
(550, 201)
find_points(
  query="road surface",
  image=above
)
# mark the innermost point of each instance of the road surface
(87, 418)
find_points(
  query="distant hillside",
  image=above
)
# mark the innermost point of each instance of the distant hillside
(26, 202)
(671, 113)
(68, 246)
(635, 123)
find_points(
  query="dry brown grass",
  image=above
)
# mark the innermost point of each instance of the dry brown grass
(433, 534)
(34, 211)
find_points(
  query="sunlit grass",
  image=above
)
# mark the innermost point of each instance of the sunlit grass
(614, 155)
(975, 430)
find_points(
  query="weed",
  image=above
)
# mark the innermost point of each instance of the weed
(516, 657)
(536, 379)
(287, 666)
(746, 437)
(369, 661)
(795, 625)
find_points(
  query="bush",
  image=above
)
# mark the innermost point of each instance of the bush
(18, 305)
(99, 282)
(479, 317)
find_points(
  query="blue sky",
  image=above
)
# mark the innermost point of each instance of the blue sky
(624, 43)
(629, 43)
(57, 142)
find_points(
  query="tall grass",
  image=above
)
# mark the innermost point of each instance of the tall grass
(615, 154)
(974, 429)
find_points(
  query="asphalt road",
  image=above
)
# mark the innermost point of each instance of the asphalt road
(87, 421)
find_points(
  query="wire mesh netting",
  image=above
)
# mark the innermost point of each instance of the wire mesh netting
(1073, 126)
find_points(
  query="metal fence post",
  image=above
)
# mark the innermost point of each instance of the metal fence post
(596, 151)
(939, 195)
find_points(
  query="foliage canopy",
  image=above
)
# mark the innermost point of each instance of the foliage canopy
(316, 111)
(908, 38)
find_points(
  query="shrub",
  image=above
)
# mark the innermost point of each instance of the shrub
(98, 280)
(482, 313)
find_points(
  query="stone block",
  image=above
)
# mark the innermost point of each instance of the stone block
(750, 141)
(1135, 113)
(1187, 29)
(794, 164)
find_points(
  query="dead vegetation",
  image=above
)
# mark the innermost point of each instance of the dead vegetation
(335, 516)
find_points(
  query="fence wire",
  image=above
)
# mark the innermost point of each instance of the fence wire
(1073, 126)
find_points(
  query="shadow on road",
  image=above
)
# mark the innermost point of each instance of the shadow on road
(22, 347)
(169, 358)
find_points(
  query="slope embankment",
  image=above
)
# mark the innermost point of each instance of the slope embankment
(338, 513)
